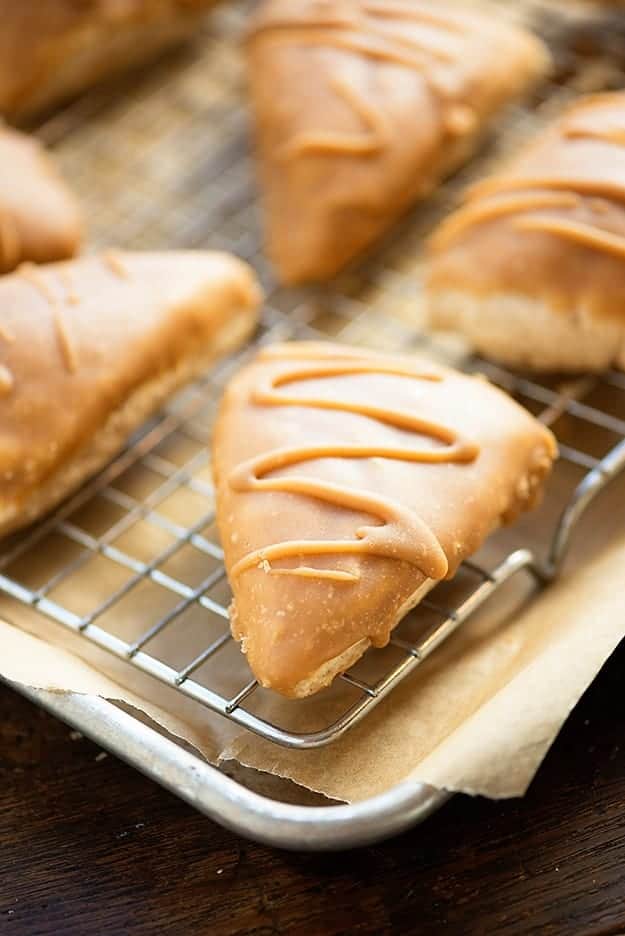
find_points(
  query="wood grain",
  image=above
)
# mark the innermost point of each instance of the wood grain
(91, 847)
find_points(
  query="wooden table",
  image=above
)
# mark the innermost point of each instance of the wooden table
(91, 847)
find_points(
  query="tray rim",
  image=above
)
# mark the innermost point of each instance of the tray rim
(228, 802)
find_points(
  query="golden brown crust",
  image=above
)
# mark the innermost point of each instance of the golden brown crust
(549, 231)
(39, 217)
(349, 510)
(52, 49)
(88, 348)
(362, 107)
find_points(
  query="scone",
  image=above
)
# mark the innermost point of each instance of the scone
(90, 348)
(39, 217)
(348, 484)
(52, 49)
(531, 268)
(362, 106)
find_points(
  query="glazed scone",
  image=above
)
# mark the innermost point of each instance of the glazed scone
(52, 49)
(90, 348)
(362, 107)
(531, 268)
(348, 483)
(39, 217)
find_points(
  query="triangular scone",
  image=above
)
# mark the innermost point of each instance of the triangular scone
(362, 107)
(52, 49)
(532, 267)
(348, 482)
(89, 348)
(39, 217)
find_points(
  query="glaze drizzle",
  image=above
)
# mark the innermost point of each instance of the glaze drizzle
(586, 234)
(71, 296)
(360, 28)
(476, 212)
(114, 261)
(60, 291)
(66, 344)
(505, 195)
(371, 142)
(613, 133)
(401, 534)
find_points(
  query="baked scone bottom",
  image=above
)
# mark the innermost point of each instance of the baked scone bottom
(362, 107)
(347, 484)
(532, 266)
(90, 348)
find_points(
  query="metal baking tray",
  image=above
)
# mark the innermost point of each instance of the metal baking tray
(163, 159)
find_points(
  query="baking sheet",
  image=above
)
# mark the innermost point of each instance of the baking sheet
(166, 163)
(478, 717)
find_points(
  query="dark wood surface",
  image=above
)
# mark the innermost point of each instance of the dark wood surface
(88, 846)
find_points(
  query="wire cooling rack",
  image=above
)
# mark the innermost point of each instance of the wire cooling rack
(134, 556)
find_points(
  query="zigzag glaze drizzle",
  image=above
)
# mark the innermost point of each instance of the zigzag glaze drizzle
(477, 211)
(506, 199)
(354, 28)
(401, 535)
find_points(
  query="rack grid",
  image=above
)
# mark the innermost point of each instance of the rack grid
(163, 158)
(182, 421)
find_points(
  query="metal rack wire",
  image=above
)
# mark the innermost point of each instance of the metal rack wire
(121, 155)
(65, 524)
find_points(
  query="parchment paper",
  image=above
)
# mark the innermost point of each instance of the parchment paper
(478, 716)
